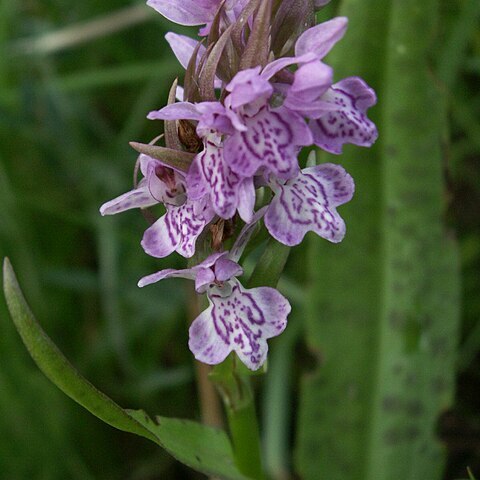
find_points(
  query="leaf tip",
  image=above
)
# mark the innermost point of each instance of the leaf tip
(8, 273)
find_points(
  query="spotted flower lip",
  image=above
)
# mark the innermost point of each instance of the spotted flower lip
(178, 229)
(346, 121)
(308, 203)
(237, 319)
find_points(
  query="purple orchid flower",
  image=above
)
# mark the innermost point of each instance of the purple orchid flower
(308, 203)
(268, 139)
(243, 138)
(348, 122)
(209, 174)
(237, 319)
(184, 220)
(337, 111)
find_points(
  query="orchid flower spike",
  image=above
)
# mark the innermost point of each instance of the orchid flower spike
(256, 92)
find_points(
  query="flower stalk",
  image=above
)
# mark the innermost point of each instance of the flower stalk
(233, 382)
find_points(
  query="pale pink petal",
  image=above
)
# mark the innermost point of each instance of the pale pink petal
(195, 184)
(177, 230)
(186, 12)
(321, 38)
(176, 111)
(248, 86)
(241, 321)
(270, 144)
(308, 203)
(137, 198)
(162, 238)
(349, 123)
(225, 269)
(188, 273)
(311, 81)
(246, 199)
(210, 173)
(209, 342)
(274, 67)
(183, 47)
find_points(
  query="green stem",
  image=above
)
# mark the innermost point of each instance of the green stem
(234, 385)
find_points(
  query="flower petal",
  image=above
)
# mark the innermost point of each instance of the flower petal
(210, 173)
(242, 322)
(248, 86)
(271, 143)
(321, 38)
(307, 203)
(137, 198)
(225, 269)
(349, 124)
(246, 199)
(274, 67)
(188, 273)
(183, 47)
(311, 81)
(208, 341)
(176, 111)
(186, 12)
(177, 230)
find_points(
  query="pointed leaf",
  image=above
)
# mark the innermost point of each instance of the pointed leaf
(270, 266)
(240, 25)
(176, 159)
(57, 368)
(258, 46)
(205, 449)
(171, 133)
(383, 307)
(191, 93)
(291, 20)
(209, 70)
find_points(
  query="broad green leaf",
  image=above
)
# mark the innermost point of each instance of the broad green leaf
(343, 302)
(384, 304)
(420, 306)
(206, 449)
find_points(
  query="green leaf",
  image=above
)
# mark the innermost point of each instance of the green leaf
(270, 266)
(203, 448)
(384, 304)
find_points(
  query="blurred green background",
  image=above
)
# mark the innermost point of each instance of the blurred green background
(76, 82)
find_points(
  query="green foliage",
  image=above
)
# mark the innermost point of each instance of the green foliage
(384, 305)
(202, 448)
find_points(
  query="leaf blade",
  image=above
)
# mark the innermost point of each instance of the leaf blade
(181, 438)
